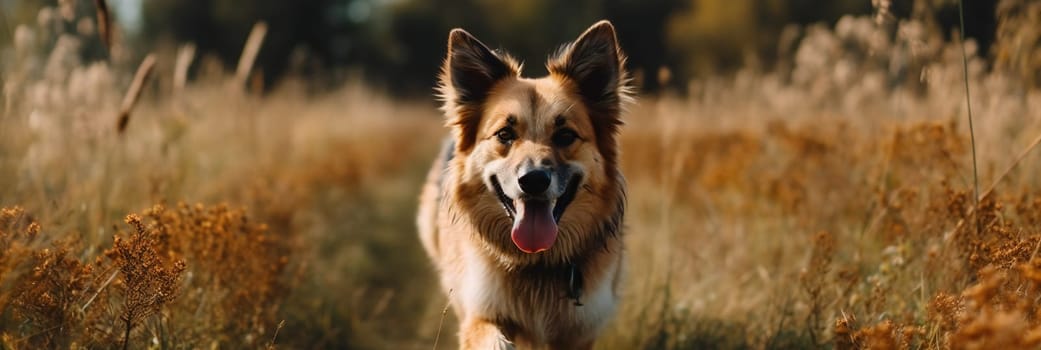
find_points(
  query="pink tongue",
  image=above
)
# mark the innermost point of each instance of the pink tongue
(534, 229)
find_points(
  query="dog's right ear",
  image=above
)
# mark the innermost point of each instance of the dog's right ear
(469, 73)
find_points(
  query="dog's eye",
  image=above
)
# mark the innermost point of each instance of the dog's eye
(564, 138)
(506, 135)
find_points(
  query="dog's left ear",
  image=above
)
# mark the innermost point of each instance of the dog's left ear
(594, 66)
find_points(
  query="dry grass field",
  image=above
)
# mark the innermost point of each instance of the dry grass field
(825, 205)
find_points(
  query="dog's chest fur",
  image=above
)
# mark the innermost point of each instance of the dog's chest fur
(532, 304)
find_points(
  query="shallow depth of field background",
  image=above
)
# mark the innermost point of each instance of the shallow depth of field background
(800, 172)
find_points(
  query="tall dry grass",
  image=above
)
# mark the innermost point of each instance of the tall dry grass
(821, 205)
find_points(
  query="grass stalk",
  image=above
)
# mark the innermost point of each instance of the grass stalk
(441, 324)
(104, 20)
(185, 55)
(249, 53)
(144, 73)
(968, 106)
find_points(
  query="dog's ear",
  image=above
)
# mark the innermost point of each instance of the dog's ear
(468, 75)
(594, 67)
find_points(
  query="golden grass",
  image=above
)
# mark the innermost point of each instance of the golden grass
(767, 210)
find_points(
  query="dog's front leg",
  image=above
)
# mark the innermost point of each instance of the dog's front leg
(479, 334)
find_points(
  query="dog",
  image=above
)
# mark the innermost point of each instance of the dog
(522, 211)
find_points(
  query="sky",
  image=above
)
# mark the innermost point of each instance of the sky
(128, 13)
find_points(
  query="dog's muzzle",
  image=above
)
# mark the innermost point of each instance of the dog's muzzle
(535, 217)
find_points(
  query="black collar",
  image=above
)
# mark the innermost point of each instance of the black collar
(567, 277)
(574, 287)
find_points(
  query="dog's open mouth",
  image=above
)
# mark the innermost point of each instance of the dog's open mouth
(535, 220)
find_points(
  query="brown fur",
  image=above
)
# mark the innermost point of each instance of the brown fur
(503, 296)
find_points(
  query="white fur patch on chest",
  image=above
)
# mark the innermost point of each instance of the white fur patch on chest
(598, 306)
(543, 312)
(482, 290)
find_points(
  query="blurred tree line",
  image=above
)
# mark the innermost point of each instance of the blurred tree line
(399, 44)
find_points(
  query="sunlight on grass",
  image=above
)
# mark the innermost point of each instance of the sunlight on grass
(822, 205)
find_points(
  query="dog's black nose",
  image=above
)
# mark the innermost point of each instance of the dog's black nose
(534, 182)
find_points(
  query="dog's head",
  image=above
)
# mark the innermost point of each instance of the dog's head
(537, 158)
